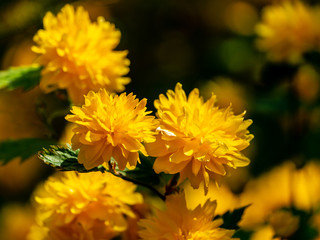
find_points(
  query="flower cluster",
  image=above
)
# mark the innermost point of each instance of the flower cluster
(77, 206)
(180, 222)
(79, 55)
(111, 126)
(288, 30)
(196, 138)
(191, 139)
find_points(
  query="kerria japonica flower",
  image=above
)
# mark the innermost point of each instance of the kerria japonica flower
(111, 126)
(78, 55)
(179, 222)
(196, 138)
(288, 30)
(84, 206)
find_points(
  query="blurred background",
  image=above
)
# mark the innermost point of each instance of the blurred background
(205, 44)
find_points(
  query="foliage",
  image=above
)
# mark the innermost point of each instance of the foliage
(25, 77)
(23, 148)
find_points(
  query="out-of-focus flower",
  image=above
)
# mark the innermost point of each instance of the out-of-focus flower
(227, 92)
(111, 126)
(16, 221)
(264, 233)
(306, 83)
(17, 177)
(266, 194)
(226, 200)
(240, 17)
(78, 55)
(18, 15)
(305, 187)
(196, 138)
(19, 54)
(180, 222)
(284, 187)
(19, 119)
(77, 206)
(284, 223)
(287, 30)
(316, 224)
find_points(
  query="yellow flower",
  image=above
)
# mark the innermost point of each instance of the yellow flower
(178, 222)
(287, 30)
(227, 92)
(264, 233)
(16, 221)
(226, 200)
(89, 203)
(283, 187)
(284, 223)
(79, 55)
(269, 192)
(306, 83)
(111, 126)
(197, 139)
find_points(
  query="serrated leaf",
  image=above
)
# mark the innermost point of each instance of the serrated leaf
(65, 159)
(25, 77)
(23, 148)
(231, 219)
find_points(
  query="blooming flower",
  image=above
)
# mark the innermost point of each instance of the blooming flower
(79, 55)
(287, 30)
(111, 126)
(87, 204)
(180, 222)
(197, 139)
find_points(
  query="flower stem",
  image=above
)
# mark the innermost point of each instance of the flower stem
(135, 181)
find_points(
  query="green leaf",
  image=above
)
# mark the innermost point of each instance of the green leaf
(231, 219)
(23, 148)
(25, 77)
(65, 159)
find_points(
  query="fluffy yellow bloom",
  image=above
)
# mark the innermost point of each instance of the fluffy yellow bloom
(287, 30)
(78, 55)
(196, 138)
(178, 222)
(87, 204)
(111, 126)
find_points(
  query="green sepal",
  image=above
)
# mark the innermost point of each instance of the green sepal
(23, 148)
(65, 159)
(25, 77)
(231, 219)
